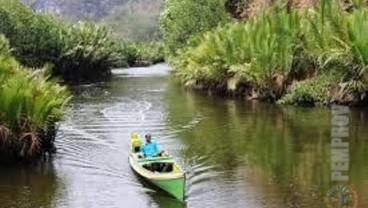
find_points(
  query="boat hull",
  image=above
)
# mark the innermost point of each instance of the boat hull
(173, 186)
(172, 183)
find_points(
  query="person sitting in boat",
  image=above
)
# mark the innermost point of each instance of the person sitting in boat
(150, 147)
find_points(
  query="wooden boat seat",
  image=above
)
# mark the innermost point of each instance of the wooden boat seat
(137, 149)
(160, 167)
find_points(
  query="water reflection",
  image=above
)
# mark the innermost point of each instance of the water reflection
(237, 154)
(161, 200)
(31, 187)
(279, 155)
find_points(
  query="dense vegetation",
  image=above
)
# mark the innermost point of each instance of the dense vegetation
(29, 108)
(305, 56)
(81, 51)
(141, 53)
(181, 20)
(34, 48)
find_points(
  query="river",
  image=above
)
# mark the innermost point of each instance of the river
(236, 153)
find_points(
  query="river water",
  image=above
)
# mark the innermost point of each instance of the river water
(236, 153)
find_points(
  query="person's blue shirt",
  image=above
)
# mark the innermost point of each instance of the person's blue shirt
(150, 149)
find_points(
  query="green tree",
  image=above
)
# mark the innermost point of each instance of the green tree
(183, 19)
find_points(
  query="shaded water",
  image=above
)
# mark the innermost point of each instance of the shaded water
(237, 154)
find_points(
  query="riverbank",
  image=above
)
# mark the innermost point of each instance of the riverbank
(236, 89)
(315, 55)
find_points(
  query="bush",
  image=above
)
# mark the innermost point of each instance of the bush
(135, 53)
(30, 106)
(285, 46)
(87, 53)
(4, 45)
(314, 91)
(255, 50)
(34, 38)
(77, 52)
(182, 19)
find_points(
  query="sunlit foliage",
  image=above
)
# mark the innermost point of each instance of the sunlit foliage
(292, 45)
(30, 106)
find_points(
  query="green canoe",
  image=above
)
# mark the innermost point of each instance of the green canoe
(163, 172)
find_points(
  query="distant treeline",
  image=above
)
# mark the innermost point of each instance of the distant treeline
(137, 20)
